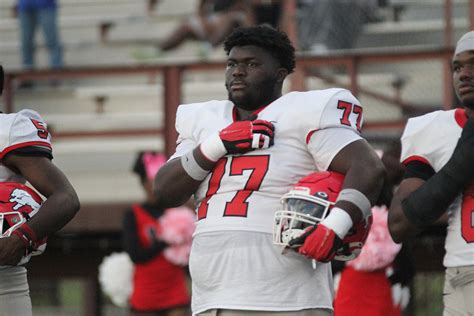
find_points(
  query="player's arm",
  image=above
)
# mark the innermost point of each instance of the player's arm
(399, 226)
(364, 172)
(61, 202)
(364, 177)
(59, 208)
(180, 177)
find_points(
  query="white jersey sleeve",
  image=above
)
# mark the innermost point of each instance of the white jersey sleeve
(430, 138)
(339, 125)
(25, 129)
(189, 120)
(184, 123)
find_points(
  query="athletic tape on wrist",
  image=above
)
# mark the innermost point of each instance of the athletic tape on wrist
(213, 148)
(339, 221)
(358, 199)
(192, 168)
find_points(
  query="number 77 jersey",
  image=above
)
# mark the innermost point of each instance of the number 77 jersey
(242, 192)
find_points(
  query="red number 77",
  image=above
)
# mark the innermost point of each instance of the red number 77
(348, 108)
(238, 206)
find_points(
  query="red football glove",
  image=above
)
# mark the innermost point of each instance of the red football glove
(321, 244)
(244, 136)
(323, 240)
(239, 138)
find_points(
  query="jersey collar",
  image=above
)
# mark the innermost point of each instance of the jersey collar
(460, 117)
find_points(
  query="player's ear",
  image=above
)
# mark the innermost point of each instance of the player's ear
(281, 74)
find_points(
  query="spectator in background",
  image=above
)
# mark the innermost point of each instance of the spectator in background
(214, 20)
(43, 13)
(267, 12)
(332, 24)
(159, 285)
(376, 282)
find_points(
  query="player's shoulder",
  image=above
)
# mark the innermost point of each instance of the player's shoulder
(319, 99)
(319, 94)
(194, 108)
(429, 123)
(23, 114)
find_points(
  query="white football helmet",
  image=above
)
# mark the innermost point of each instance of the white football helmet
(18, 203)
(307, 204)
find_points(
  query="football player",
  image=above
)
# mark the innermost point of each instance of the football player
(438, 151)
(26, 156)
(239, 156)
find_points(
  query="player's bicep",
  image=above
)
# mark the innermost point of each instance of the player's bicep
(40, 172)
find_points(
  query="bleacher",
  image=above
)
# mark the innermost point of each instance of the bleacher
(97, 33)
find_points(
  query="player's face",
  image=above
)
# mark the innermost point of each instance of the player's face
(463, 77)
(253, 77)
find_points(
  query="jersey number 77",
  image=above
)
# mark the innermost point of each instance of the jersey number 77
(238, 206)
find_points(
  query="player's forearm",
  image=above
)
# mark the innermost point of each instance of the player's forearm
(399, 226)
(173, 186)
(369, 183)
(54, 213)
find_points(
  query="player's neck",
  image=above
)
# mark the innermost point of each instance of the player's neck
(469, 112)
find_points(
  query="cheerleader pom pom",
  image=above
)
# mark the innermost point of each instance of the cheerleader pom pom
(379, 250)
(115, 277)
(178, 226)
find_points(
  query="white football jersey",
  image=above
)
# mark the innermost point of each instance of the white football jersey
(233, 263)
(243, 191)
(19, 130)
(431, 139)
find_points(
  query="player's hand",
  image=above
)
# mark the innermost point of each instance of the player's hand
(244, 136)
(323, 240)
(320, 243)
(12, 249)
(239, 138)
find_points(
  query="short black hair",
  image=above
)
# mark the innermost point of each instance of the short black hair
(272, 40)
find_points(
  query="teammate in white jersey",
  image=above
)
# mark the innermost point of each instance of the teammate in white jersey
(438, 151)
(239, 156)
(25, 155)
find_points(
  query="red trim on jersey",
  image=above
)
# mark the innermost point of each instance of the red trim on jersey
(261, 109)
(460, 117)
(416, 158)
(308, 137)
(22, 145)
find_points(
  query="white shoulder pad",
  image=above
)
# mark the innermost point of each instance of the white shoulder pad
(422, 136)
(188, 117)
(27, 129)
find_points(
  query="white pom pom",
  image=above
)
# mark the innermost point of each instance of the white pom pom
(115, 277)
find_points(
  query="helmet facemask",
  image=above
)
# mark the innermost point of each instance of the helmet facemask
(300, 211)
(9, 221)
